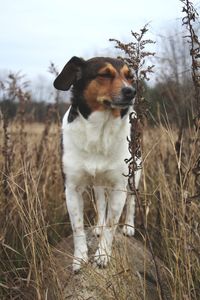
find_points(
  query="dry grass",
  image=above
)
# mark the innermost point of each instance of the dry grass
(32, 213)
(33, 216)
(172, 219)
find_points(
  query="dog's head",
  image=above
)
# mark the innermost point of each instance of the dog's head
(100, 83)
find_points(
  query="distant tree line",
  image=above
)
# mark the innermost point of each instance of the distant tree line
(170, 98)
(33, 111)
(171, 102)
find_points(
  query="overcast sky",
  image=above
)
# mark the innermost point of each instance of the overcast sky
(35, 32)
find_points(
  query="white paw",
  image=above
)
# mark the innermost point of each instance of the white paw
(102, 257)
(80, 257)
(128, 230)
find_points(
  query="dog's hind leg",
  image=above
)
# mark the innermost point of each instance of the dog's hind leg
(101, 209)
(75, 208)
(129, 227)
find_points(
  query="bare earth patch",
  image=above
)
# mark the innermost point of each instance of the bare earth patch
(130, 275)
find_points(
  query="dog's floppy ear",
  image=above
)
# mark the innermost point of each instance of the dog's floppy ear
(70, 73)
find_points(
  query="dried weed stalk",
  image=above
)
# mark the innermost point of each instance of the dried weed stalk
(13, 89)
(189, 20)
(52, 110)
(135, 58)
(17, 90)
(7, 149)
(43, 145)
(53, 70)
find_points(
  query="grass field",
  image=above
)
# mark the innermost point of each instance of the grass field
(33, 215)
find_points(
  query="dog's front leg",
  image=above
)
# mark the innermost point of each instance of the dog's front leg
(75, 208)
(101, 209)
(115, 207)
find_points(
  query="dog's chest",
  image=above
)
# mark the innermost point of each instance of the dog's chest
(97, 145)
(97, 135)
(101, 134)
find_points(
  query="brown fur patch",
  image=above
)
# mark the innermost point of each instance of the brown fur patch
(124, 71)
(108, 69)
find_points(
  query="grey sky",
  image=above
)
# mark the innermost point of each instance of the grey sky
(35, 32)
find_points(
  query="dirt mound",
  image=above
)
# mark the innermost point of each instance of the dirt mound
(131, 274)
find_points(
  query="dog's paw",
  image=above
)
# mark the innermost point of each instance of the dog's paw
(102, 257)
(80, 258)
(128, 230)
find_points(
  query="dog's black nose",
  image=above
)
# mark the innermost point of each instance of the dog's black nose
(128, 93)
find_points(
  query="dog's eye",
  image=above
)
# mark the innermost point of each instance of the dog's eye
(105, 75)
(129, 76)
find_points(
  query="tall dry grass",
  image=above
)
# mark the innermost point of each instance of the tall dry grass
(32, 213)
(172, 216)
(33, 216)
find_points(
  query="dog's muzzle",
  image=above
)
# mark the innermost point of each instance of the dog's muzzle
(125, 99)
(128, 93)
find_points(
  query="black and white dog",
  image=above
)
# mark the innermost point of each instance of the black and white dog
(95, 130)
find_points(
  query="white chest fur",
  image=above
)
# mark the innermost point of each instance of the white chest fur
(95, 149)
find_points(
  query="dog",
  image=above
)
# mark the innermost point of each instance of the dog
(94, 136)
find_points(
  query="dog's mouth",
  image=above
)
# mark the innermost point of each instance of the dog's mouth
(117, 104)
